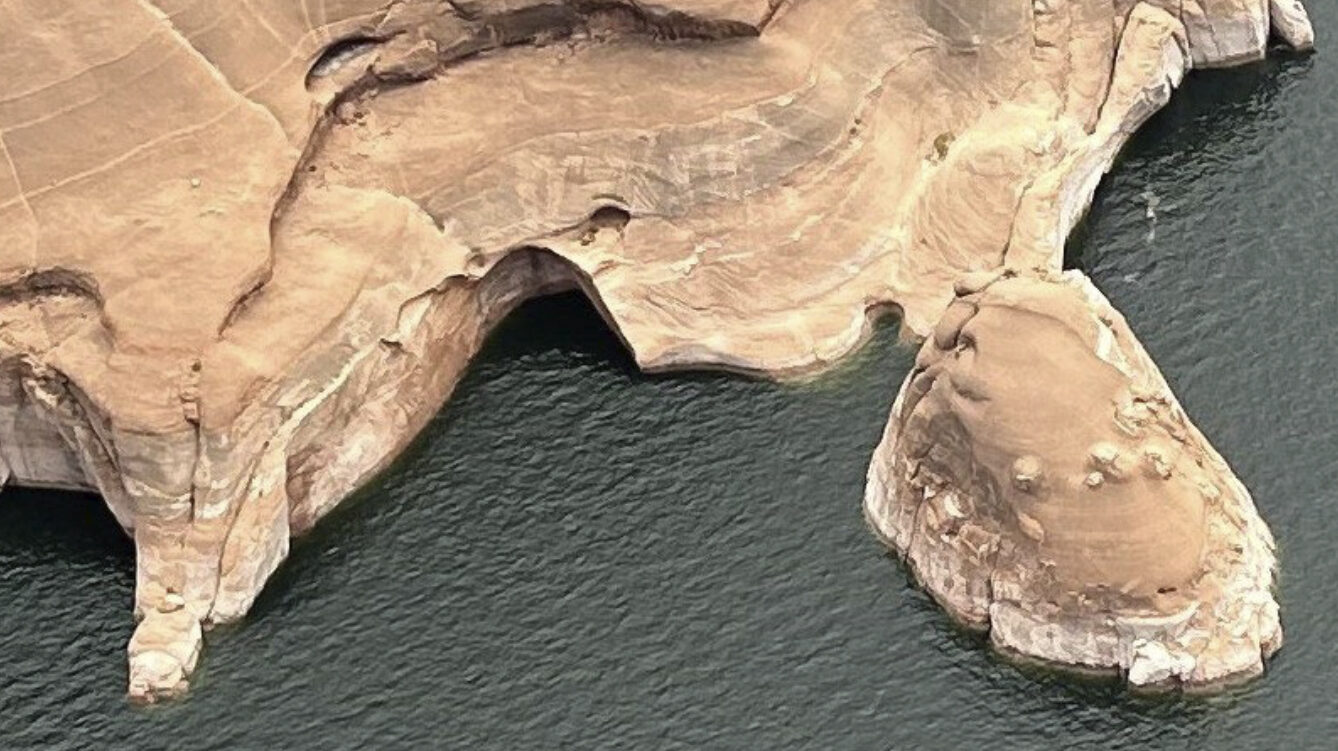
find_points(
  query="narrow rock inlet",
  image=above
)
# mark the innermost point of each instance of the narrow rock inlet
(247, 249)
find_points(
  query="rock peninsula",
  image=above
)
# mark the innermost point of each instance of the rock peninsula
(1042, 481)
(247, 249)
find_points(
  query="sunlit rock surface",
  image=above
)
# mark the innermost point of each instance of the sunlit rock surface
(1042, 481)
(246, 249)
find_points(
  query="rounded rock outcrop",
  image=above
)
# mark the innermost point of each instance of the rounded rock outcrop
(1100, 528)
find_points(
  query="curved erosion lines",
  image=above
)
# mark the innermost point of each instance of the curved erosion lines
(728, 200)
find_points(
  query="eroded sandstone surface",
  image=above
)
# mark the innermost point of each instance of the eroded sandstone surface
(246, 249)
(1042, 480)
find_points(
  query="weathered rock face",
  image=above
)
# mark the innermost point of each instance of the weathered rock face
(1041, 479)
(246, 249)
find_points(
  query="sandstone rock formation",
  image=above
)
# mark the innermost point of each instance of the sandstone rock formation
(1042, 480)
(246, 249)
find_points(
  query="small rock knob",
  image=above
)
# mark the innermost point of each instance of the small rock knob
(1027, 473)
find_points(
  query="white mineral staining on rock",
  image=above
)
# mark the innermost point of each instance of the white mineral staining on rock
(1291, 23)
(239, 271)
(1157, 460)
(163, 653)
(1027, 473)
(1103, 456)
(1160, 574)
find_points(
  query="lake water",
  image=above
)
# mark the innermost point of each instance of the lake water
(578, 556)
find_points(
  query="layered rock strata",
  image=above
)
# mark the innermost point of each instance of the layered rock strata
(1042, 482)
(246, 249)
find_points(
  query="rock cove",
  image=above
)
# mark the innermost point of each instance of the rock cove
(246, 252)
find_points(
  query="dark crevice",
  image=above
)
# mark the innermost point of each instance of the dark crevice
(561, 319)
(340, 54)
(57, 282)
(549, 274)
(52, 282)
(610, 217)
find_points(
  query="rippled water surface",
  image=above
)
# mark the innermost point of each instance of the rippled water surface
(578, 556)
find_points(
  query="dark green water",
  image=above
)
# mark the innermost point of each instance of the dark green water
(577, 556)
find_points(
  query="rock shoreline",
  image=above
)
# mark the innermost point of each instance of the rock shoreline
(240, 271)
(1117, 539)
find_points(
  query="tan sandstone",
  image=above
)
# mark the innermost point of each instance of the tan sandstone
(1042, 481)
(246, 249)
